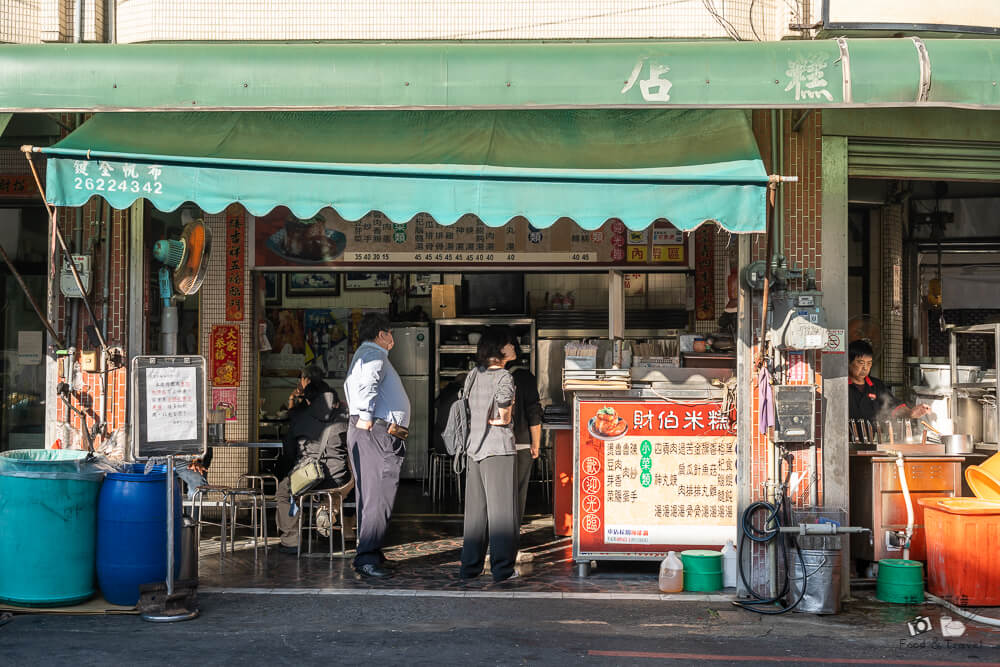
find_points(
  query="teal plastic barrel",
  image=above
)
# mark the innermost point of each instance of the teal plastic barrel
(702, 570)
(48, 524)
(900, 581)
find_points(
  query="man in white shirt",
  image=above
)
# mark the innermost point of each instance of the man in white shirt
(376, 438)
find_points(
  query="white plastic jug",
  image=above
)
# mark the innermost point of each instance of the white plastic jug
(729, 565)
(671, 574)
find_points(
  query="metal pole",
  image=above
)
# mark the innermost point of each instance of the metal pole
(170, 525)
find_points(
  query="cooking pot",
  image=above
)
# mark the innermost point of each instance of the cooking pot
(968, 416)
(957, 444)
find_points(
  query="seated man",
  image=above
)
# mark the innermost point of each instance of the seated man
(318, 430)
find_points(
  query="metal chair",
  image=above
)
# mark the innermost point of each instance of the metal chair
(198, 501)
(310, 503)
(237, 498)
(442, 472)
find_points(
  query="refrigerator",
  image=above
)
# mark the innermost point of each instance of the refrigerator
(411, 357)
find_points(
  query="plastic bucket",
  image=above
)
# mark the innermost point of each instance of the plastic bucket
(900, 581)
(132, 533)
(702, 570)
(963, 536)
(984, 479)
(821, 578)
(48, 522)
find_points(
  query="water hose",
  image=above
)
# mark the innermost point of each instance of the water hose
(760, 604)
(909, 505)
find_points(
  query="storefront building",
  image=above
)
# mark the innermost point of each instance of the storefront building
(618, 137)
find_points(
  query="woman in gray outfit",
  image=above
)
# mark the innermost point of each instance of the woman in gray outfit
(491, 507)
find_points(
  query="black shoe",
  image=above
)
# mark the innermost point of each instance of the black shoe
(372, 570)
(288, 550)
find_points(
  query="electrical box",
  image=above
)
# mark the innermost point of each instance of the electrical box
(66, 283)
(799, 319)
(794, 413)
(89, 362)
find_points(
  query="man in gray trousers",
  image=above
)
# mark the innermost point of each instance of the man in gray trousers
(376, 438)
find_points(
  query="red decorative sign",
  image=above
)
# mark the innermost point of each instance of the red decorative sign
(235, 261)
(653, 475)
(226, 343)
(17, 185)
(704, 273)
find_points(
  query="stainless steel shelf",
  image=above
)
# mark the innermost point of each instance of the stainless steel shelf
(470, 349)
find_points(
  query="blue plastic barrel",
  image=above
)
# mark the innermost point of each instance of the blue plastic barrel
(48, 522)
(132, 532)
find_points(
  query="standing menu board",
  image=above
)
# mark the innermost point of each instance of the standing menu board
(168, 406)
(652, 476)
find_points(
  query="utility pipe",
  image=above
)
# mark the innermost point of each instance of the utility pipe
(909, 505)
(78, 22)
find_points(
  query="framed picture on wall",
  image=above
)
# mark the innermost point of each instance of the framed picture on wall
(366, 281)
(272, 288)
(324, 283)
(420, 283)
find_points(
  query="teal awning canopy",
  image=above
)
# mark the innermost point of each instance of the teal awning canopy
(819, 73)
(687, 166)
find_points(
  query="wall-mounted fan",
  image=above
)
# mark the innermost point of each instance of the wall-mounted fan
(185, 263)
(866, 327)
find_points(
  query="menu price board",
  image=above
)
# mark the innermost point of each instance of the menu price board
(653, 475)
(327, 240)
(169, 405)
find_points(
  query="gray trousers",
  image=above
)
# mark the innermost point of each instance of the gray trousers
(490, 517)
(376, 458)
(524, 465)
(288, 526)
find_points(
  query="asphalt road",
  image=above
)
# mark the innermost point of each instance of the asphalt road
(388, 630)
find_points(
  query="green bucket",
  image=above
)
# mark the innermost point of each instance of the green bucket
(900, 581)
(702, 570)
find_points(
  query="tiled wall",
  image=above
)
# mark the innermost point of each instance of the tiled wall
(801, 245)
(19, 21)
(159, 20)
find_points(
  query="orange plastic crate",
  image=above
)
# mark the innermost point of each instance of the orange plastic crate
(963, 540)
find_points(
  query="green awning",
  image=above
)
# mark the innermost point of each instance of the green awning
(824, 73)
(591, 166)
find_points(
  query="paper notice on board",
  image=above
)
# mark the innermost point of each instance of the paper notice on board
(29, 348)
(171, 404)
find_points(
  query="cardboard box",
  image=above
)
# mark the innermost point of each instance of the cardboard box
(443, 301)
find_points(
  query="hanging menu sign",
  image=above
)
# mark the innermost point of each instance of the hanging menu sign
(235, 232)
(327, 240)
(654, 475)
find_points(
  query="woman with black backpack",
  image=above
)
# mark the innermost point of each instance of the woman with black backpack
(491, 504)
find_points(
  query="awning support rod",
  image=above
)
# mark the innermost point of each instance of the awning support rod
(27, 150)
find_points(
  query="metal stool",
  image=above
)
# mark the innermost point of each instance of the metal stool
(441, 471)
(312, 500)
(543, 473)
(199, 501)
(235, 499)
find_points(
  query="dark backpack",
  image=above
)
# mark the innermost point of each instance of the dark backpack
(456, 430)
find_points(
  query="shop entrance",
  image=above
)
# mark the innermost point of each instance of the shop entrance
(22, 367)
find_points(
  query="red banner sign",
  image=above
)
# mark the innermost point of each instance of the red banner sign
(17, 185)
(225, 343)
(653, 475)
(235, 261)
(704, 273)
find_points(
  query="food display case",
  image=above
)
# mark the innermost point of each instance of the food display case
(654, 468)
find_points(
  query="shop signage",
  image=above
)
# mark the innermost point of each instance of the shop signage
(704, 273)
(327, 240)
(665, 475)
(235, 261)
(224, 398)
(17, 185)
(225, 342)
